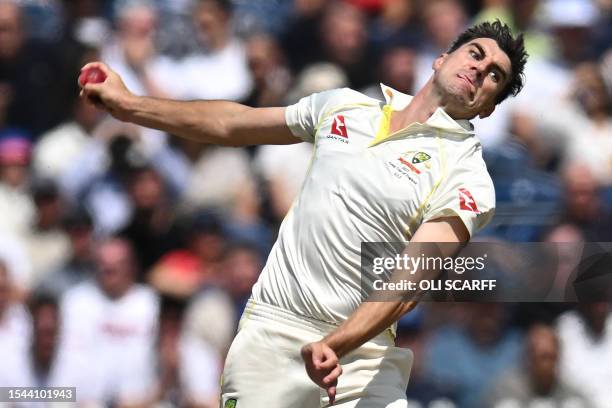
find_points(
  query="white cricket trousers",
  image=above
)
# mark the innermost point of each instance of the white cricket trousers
(264, 368)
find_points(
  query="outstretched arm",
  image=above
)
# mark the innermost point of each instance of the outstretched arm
(216, 122)
(373, 317)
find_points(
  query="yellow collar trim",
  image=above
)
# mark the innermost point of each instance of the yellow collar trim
(397, 100)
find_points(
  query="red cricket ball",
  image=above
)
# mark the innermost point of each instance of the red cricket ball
(91, 75)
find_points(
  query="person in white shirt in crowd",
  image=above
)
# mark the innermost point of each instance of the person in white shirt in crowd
(586, 341)
(220, 69)
(15, 257)
(109, 330)
(200, 366)
(56, 149)
(570, 22)
(579, 129)
(133, 51)
(536, 382)
(47, 243)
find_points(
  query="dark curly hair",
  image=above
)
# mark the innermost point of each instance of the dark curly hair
(513, 47)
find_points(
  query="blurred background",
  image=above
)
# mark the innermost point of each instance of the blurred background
(127, 255)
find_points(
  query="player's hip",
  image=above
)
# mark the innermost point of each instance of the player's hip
(264, 367)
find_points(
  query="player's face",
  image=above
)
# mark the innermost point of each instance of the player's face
(471, 77)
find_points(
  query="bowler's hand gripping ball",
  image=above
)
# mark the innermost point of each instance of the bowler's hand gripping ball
(91, 75)
(95, 76)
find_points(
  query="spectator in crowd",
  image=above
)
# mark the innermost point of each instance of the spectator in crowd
(580, 128)
(80, 264)
(15, 150)
(529, 199)
(109, 332)
(397, 70)
(241, 266)
(443, 21)
(45, 331)
(261, 16)
(177, 275)
(206, 240)
(271, 78)
(570, 22)
(199, 369)
(586, 344)
(219, 69)
(60, 146)
(344, 42)
(33, 73)
(15, 334)
(423, 391)
(133, 51)
(304, 28)
(521, 16)
(468, 357)
(48, 244)
(96, 178)
(583, 203)
(211, 316)
(152, 228)
(395, 23)
(14, 255)
(209, 184)
(536, 381)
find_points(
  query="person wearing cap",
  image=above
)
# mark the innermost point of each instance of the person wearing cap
(409, 168)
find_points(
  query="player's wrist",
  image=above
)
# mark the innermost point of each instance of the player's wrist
(334, 342)
(128, 106)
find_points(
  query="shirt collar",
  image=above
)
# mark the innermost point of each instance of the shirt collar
(440, 119)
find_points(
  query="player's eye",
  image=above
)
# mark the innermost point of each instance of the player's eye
(494, 76)
(474, 54)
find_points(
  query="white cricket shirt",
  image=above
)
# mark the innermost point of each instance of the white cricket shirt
(365, 185)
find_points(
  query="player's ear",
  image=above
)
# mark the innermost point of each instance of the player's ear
(438, 61)
(486, 111)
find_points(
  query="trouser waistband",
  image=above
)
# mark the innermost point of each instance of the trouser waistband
(257, 310)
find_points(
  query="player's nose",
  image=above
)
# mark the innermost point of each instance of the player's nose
(478, 70)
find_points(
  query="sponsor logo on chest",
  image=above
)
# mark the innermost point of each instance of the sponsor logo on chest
(410, 165)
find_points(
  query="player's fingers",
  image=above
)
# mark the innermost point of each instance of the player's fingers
(317, 357)
(333, 376)
(330, 359)
(93, 87)
(97, 64)
(331, 393)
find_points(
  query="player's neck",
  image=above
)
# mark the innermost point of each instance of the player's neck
(420, 108)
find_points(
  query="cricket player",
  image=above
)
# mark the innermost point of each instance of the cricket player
(405, 169)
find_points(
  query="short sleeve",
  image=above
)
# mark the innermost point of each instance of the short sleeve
(467, 191)
(303, 117)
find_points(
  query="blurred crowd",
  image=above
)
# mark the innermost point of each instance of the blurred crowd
(127, 255)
